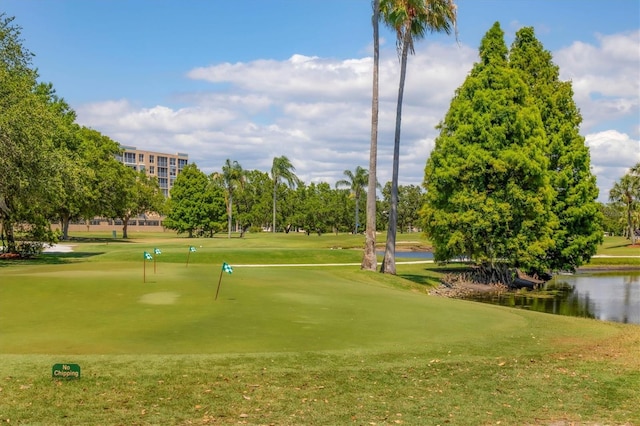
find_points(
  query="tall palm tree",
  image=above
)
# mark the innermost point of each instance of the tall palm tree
(356, 182)
(232, 177)
(411, 19)
(369, 259)
(627, 193)
(282, 170)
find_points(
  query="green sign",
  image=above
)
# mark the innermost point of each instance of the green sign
(65, 371)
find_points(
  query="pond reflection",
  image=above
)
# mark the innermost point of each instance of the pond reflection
(607, 296)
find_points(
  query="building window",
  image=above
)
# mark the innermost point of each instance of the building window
(172, 161)
(162, 161)
(152, 170)
(151, 158)
(130, 157)
(140, 158)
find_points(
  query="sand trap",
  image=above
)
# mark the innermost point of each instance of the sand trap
(160, 298)
(58, 248)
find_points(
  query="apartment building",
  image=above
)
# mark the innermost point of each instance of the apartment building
(165, 167)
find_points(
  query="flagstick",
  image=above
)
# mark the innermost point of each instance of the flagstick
(154, 263)
(144, 271)
(219, 281)
(188, 254)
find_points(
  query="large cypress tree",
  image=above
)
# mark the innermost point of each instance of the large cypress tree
(575, 191)
(488, 191)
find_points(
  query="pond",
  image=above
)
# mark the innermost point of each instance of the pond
(607, 296)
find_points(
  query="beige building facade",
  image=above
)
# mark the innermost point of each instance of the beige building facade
(165, 167)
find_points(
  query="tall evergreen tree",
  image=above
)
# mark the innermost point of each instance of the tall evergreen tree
(488, 192)
(579, 231)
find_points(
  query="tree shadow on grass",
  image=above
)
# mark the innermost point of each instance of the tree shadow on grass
(50, 259)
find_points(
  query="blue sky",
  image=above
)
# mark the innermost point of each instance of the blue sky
(250, 80)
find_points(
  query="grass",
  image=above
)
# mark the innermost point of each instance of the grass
(290, 345)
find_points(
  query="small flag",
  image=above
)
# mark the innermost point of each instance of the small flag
(148, 256)
(192, 248)
(157, 251)
(227, 268)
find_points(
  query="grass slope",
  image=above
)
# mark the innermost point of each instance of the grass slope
(290, 345)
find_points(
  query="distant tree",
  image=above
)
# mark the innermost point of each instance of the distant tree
(626, 194)
(133, 193)
(411, 20)
(254, 200)
(410, 201)
(613, 220)
(315, 213)
(356, 182)
(579, 231)
(195, 206)
(282, 170)
(230, 179)
(369, 257)
(488, 195)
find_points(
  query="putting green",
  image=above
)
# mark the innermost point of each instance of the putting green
(107, 308)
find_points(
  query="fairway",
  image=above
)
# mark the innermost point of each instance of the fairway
(290, 345)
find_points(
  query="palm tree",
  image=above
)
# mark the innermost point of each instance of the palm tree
(369, 259)
(411, 19)
(356, 182)
(627, 193)
(282, 169)
(231, 177)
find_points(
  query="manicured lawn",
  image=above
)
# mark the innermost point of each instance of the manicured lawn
(290, 345)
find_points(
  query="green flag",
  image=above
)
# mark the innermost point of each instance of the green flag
(227, 268)
(157, 251)
(192, 248)
(147, 256)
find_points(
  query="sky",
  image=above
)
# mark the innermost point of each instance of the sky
(256, 79)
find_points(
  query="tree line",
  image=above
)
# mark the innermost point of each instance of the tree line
(239, 200)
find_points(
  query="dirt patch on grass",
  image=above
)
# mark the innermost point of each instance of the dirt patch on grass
(452, 286)
(160, 298)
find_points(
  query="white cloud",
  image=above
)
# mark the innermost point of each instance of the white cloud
(612, 154)
(605, 78)
(317, 111)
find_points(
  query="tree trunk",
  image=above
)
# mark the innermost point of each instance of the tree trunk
(389, 262)
(369, 260)
(357, 214)
(229, 213)
(64, 224)
(125, 224)
(275, 186)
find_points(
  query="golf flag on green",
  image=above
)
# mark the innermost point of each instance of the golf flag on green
(225, 268)
(191, 249)
(146, 256)
(156, 251)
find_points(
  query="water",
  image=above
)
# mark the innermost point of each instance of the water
(607, 296)
(426, 255)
